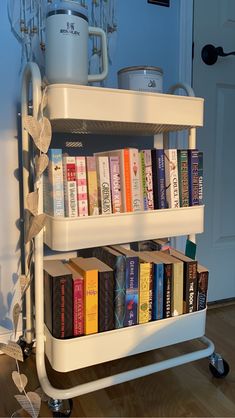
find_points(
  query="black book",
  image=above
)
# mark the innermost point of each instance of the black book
(58, 301)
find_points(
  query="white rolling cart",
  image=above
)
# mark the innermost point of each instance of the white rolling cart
(83, 109)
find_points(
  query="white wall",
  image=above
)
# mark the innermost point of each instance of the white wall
(147, 35)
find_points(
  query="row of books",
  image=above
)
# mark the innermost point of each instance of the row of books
(119, 287)
(124, 180)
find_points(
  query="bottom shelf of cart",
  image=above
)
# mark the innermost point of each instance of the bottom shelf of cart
(75, 353)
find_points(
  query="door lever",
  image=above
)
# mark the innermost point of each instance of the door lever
(210, 54)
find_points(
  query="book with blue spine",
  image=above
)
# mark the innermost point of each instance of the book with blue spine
(200, 177)
(117, 262)
(132, 285)
(193, 177)
(53, 184)
(158, 173)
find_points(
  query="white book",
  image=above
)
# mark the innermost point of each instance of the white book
(104, 191)
(81, 181)
(70, 187)
(171, 178)
(53, 186)
(136, 197)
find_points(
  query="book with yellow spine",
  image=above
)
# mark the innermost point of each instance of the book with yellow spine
(144, 287)
(85, 267)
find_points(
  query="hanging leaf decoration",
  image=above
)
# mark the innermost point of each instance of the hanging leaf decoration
(30, 403)
(41, 164)
(20, 380)
(32, 202)
(24, 280)
(36, 224)
(40, 131)
(16, 315)
(13, 350)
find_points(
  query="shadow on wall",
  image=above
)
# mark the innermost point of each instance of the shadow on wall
(6, 309)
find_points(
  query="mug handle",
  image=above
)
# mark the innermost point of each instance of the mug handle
(100, 32)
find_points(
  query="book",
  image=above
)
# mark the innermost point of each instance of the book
(103, 181)
(193, 177)
(190, 281)
(92, 186)
(157, 286)
(171, 178)
(115, 183)
(81, 181)
(105, 294)
(177, 283)
(182, 156)
(125, 176)
(78, 301)
(136, 202)
(84, 266)
(53, 185)
(202, 286)
(70, 187)
(200, 177)
(159, 185)
(132, 285)
(58, 306)
(146, 179)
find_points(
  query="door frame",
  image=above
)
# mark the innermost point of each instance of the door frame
(185, 41)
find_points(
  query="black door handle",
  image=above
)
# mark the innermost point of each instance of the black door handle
(210, 54)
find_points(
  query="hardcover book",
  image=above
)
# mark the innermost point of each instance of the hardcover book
(182, 156)
(117, 262)
(190, 281)
(115, 183)
(158, 285)
(135, 180)
(70, 187)
(159, 185)
(81, 181)
(53, 184)
(92, 186)
(78, 301)
(193, 177)
(200, 177)
(58, 299)
(202, 286)
(90, 275)
(172, 179)
(103, 181)
(146, 179)
(132, 285)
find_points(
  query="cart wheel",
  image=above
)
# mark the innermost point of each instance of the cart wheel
(64, 410)
(219, 373)
(25, 347)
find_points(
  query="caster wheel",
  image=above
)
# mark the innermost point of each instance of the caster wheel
(25, 347)
(65, 409)
(216, 373)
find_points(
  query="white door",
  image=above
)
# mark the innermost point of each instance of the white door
(214, 23)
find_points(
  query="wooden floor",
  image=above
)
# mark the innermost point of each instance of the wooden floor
(185, 391)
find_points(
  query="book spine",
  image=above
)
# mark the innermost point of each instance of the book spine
(148, 179)
(78, 307)
(93, 206)
(190, 287)
(131, 300)
(200, 177)
(183, 177)
(143, 187)
(135, 180)
(53, 185)
(167, 290)
(105, 301)
(115, 182)
(193, 177)
(171, 178)
(127, 180)
(104, 191)
(62, 307)
(154, 177)
(202, 280)
(178, 288)
(70, 187)
(158, 291)
(144, 285)
(81, 182)
(161, 185)
(91, 302)
(151, 292)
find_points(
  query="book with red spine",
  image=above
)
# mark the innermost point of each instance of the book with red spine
(78, 302)
(70, 186)
(81, 181)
